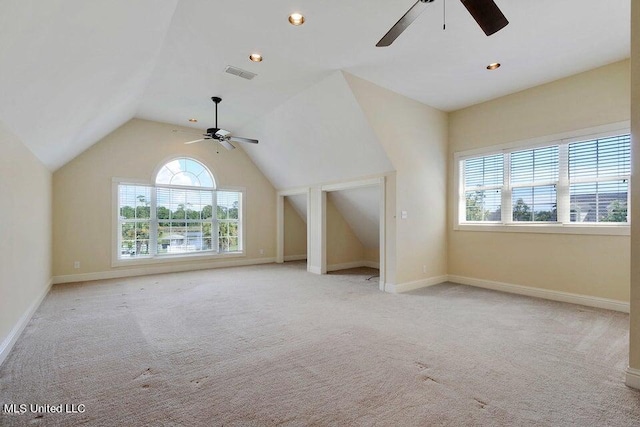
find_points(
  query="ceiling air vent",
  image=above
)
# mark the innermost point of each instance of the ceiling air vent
(239, 72)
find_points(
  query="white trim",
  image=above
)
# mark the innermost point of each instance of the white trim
(131, 272)
(602, 230)
(416, 284)
(8, 343)
(313, 269)
(301, 257)
(633, 378)
(348, 185)
(293, 191)
(548, 294)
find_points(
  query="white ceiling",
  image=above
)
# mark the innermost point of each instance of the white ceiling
(74, 70)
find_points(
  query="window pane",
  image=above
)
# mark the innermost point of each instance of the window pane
(534, 203)
(483, 171)
(228, 204)
(600, 158)
(539, 165)
(134, 240)
(599, 201)
(134, 201)
(483, 205)
(185, 171)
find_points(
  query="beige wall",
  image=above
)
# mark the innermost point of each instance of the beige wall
(634, 353)
(414, 137)
(82, 193)
(581, 264)
(342, 244)
(25, 252)
(295, 232)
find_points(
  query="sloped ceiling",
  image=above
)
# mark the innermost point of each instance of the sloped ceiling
(320, 135)
(73, 70)
(299, 203)
(360, 207)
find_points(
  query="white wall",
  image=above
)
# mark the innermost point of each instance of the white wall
(83, 206)
(25, 230)
(583, 264)
(414, 136)
(318, 136)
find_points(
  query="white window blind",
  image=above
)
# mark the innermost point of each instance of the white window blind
(483, 180)
(567, 182)
(533, 178)
(599, 172)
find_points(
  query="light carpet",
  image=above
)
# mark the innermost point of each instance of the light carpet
(274, 345)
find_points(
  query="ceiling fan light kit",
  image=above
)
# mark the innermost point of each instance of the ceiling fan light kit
(485, 12)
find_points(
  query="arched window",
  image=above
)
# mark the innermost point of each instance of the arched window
(187, 172)
(184, 213)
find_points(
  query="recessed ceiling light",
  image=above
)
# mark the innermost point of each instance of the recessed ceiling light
(193, 120)
(296, 19)
(255, 57)
(493, 66)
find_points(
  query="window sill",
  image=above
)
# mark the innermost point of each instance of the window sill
(602, 230)
(164, 259)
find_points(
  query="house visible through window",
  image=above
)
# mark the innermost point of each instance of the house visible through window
(182, 214)
(586, 181)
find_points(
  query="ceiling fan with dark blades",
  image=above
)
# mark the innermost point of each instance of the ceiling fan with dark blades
(485, 12)
(221, 135)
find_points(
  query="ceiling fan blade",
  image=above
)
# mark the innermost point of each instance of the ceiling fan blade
(487, 14)
(403, 23)
(192, 142)
(240, 139)
(226, 144)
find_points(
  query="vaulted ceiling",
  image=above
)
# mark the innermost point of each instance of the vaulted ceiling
(72, 71)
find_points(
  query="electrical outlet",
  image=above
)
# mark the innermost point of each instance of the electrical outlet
(76, 264)
(403, 215)
(261, 251)
(424, 269)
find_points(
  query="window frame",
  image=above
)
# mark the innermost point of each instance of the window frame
(117, 261)
(563, 224)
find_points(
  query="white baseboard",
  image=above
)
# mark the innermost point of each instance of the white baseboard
(371, 264)
(353, 264)
(345, 265)
(416, 284)
(8, 343)
(158, 269)
(633, 378)
(295, 257)
(587, 300)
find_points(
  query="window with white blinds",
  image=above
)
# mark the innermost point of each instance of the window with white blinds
(583, 181)
(599, 172)
(533, 179)
(483, 180)
(176, 216)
